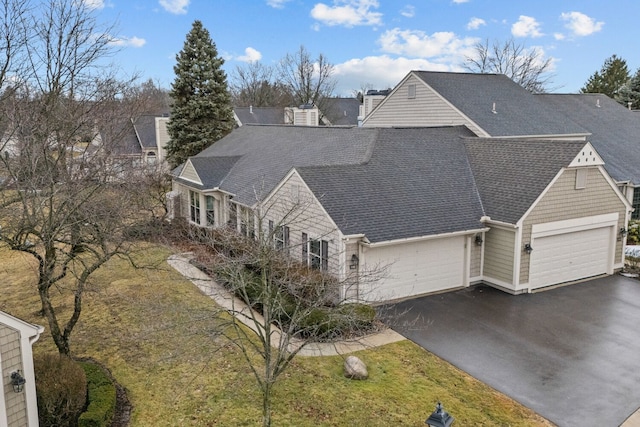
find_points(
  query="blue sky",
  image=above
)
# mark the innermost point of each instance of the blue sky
(375, 42)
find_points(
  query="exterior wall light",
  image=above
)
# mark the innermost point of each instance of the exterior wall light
(355, 261)
(478, 240)
(623, 231)
(17, 381)
(527, 248)
(439, 418)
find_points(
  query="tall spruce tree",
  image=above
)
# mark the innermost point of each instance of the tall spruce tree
(202, 111)
(629, 95)
(611, 78)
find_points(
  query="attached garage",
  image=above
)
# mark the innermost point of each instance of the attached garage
(416, 268)
(565, 251)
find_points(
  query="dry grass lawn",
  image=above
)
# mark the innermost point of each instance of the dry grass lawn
(158, 335)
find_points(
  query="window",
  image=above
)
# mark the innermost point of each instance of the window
(319, 254)
(247, 222)
(233, 216)
(281, 237)
(411, 91)
(194, 204)
(581, 179)
(636, 203)
(210, 212)
(151, 158)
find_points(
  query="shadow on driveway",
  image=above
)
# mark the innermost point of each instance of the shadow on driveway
(571, 354)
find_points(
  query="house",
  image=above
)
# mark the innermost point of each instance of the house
(492, 105)
(258, 115)
(18, 407)
(614, 132)
(338, 112)
(152, 136)
(437, 208)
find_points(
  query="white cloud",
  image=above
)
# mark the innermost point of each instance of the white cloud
(475, 23)
(419, 44)
(380, 72)
(93, 4)
(128, 41)
(460, 1)
(250, 55)
(408, 11)
(348, 13)
(177, 7)
(558, 36)
(277, 4)
(581, 24)
(526, 27)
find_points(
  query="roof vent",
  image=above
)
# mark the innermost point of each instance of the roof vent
(250, 109)
(493, 109)
(597, 103)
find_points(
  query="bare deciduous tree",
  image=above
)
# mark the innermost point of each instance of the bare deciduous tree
(65, 172)
(310, 81)
(292, 304)
(255, 85)
(526, 66)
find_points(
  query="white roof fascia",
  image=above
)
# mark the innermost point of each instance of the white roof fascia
(427, 237)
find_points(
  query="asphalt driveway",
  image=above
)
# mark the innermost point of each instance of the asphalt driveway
(571, 354)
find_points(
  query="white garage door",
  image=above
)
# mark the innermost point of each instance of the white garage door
(416, 268)
(570, 256)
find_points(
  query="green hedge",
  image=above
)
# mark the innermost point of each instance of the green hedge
(102, 397)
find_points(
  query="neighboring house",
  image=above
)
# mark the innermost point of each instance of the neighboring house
(18, 407)
(139, 142)
(152, 136)
(339, 112)
(258, 115)
(614, 132)
(490, 105)
(438, 207)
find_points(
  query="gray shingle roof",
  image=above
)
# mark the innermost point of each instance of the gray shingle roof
(145, 127)
(120, 139)
(615, 131)
(511, 174)
(268, 153)
(518, 112)
(417, 183)
(342, 111)
(260, 115)
(389, 183)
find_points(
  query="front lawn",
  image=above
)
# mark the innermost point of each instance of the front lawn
(157, 334)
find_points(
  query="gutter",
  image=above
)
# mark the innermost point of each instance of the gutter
(428, 237)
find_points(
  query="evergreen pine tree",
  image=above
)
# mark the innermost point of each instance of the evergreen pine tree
(202, 111)
(610, 79)
(629, 95)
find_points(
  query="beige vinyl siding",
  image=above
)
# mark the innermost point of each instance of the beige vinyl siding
(426, 109)
(303, 214)
(11, 357)
(190, 173)
(499, 254)
(351, 288)
(563, 202)
(183, 204)
(476, 259)
(162, 136)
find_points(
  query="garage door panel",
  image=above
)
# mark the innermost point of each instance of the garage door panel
(416, 268)
(565, 257)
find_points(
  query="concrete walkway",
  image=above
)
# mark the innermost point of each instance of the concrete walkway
(252, 319)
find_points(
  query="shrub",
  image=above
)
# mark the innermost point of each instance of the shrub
(61, 387)
(102, 398)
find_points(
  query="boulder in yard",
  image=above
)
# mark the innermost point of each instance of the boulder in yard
(355, 369)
